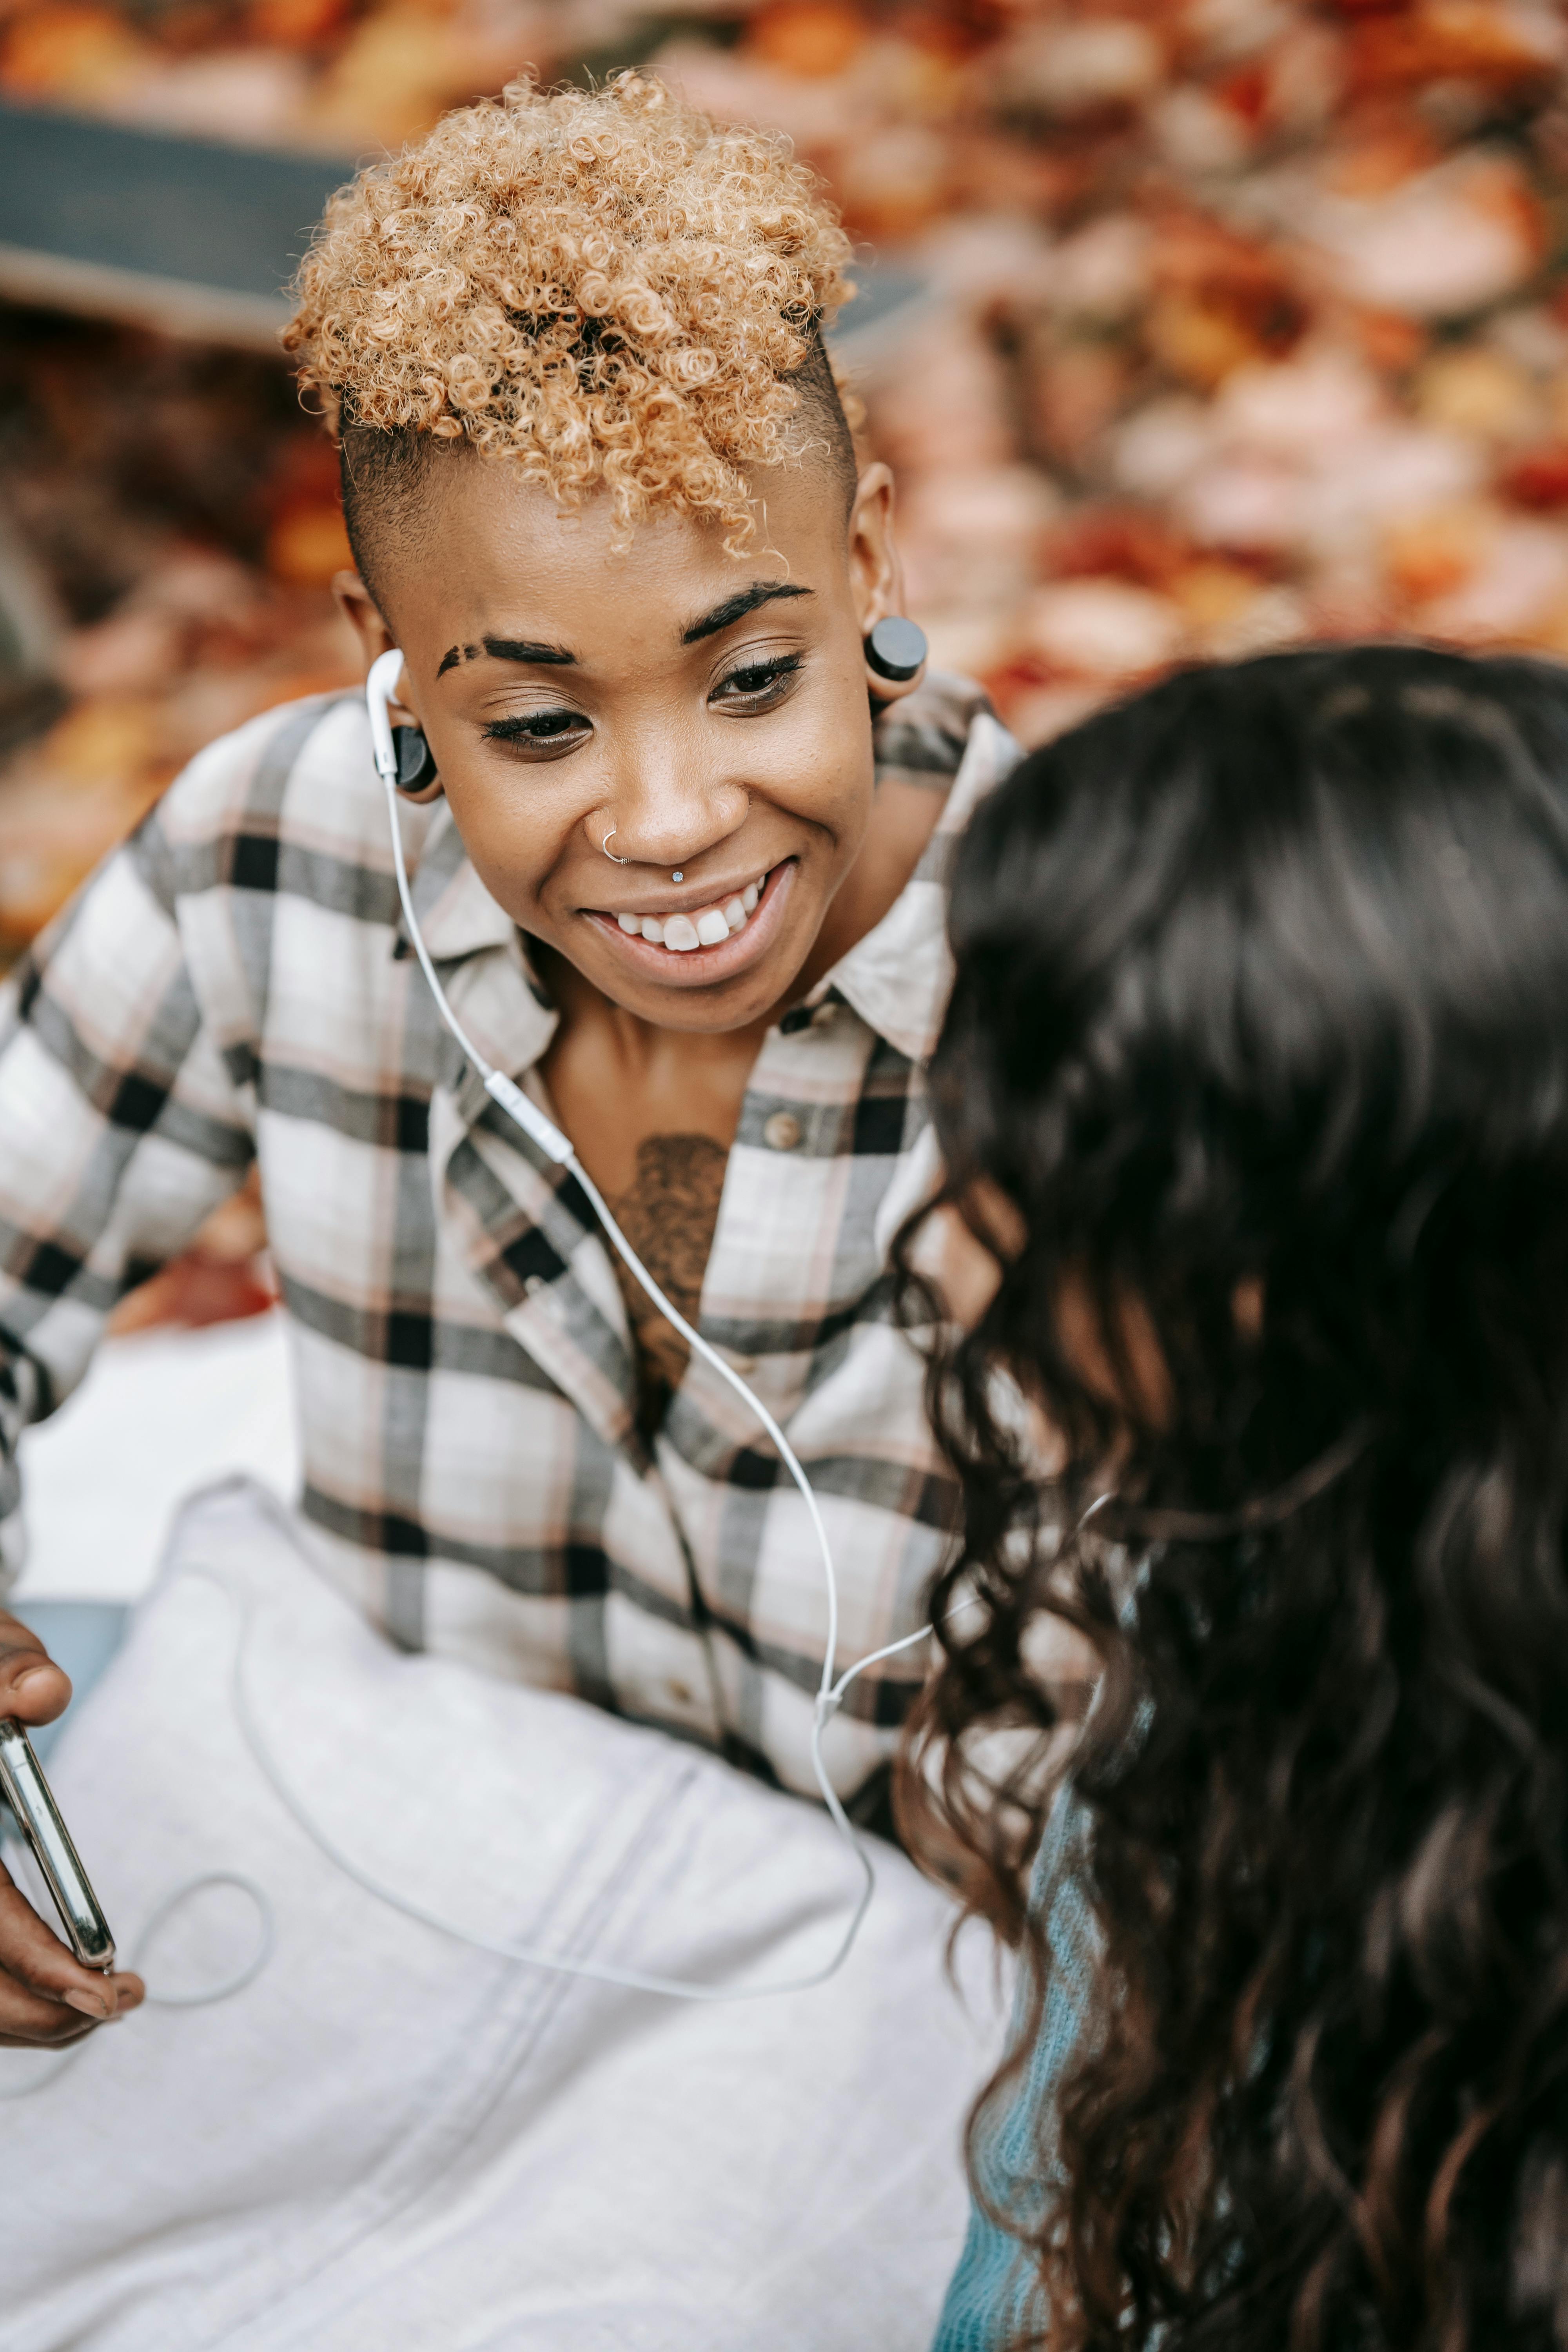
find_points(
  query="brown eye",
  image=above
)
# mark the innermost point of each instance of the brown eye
(757, 682)
(547, 727)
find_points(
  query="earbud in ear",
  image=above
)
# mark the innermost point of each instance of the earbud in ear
(417, 768)
(896, 648)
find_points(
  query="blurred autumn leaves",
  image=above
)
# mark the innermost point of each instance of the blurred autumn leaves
(184, 516)
(1243, 322)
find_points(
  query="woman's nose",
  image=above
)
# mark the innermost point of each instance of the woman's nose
(668, 817)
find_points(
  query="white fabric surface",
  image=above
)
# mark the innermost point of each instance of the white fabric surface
(392, 2139)
(158, 1414)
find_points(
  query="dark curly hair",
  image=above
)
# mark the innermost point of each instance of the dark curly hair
(1258, 1049)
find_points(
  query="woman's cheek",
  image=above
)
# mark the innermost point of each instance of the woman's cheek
(838, 803)
(514, 849)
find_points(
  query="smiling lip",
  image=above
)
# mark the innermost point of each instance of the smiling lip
(701, 966)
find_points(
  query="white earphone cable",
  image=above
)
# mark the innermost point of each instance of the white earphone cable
(544, 1132)
(550, 1138)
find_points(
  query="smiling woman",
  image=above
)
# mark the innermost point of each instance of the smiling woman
(678, 805)
(666, 780)
(677, 829)
(579, 661)
(632, 691)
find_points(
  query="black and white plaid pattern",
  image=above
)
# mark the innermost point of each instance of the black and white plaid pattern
(233, 984)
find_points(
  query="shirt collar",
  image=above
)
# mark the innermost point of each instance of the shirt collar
(898, 978)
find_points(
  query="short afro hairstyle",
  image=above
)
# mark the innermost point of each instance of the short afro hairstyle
(601, 288)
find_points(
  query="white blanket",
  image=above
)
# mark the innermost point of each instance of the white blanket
(392, 2139)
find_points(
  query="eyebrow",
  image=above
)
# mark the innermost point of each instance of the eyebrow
(513, 649)
(722, 616)
(735, 608)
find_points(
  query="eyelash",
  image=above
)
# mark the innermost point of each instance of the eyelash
(770, 673)
(754, 678)
(537, 726)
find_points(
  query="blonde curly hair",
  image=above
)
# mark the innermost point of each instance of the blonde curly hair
(601, 287)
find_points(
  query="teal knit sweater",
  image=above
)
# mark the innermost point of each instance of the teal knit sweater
(1015, 2169)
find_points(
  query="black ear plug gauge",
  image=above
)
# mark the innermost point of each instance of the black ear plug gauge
(415, 768)
(896, 648)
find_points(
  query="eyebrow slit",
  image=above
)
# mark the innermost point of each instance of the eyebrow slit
(735, 608)
(455, 654)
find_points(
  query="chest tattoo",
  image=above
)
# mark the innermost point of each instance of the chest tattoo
(669, 1215)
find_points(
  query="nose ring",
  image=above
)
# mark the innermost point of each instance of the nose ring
(609, 853)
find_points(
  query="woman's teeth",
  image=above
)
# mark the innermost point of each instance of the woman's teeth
(706, 928)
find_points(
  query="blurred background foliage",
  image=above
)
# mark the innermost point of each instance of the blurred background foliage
(1224, 324)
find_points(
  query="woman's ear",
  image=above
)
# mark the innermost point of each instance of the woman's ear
(877, 581)
(358, 607)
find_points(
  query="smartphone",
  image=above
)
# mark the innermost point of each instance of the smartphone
(25, 1791)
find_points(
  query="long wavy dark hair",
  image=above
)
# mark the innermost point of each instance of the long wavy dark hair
(1257, 1063)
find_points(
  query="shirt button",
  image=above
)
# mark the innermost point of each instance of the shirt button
(782, 1131)
(682, 1693)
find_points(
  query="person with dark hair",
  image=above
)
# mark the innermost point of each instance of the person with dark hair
(1254, 1082)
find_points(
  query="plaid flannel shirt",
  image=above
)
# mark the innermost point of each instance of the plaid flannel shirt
(233, 984)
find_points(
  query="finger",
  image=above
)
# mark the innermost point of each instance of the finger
(32, 1687)
(26, 2015)
(37, 1960)
(28, 2021)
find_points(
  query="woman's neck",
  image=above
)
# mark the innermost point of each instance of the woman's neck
(644, 1054)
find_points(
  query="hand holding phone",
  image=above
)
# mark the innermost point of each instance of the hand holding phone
(48, 1994)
